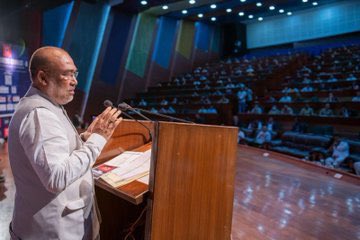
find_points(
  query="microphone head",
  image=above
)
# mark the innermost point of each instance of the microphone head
(108, 103)
(124, 106)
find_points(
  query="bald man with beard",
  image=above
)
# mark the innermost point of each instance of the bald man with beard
(50, 161)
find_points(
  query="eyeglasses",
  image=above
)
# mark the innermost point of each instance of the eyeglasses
(69, 75)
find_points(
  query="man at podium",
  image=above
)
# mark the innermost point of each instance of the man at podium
(50, 162)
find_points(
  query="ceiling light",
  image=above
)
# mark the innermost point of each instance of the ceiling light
(213, 6)
(305, 0)
(281, 11)
(200, 15)
(184, 11)
(229, 10)
(272, 8)
(260, 19)
(241, 13)
(251, 16)
(213, 19)
(315, 3)
(143, 2)
(165, 7)
(259, 4)
(289, 13)
(242, 0)
(192, 2)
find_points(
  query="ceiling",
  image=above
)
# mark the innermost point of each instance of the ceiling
(226, 11)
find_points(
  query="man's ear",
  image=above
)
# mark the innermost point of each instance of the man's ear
(42, 78)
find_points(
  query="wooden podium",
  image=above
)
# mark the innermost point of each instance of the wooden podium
(191, 188)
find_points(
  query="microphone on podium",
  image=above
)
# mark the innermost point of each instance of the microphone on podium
(108, 103)
(125, 107)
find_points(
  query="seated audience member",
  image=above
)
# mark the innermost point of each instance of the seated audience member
(306, 81)
(164, 102)
(263, 137)
(269, 99)
(254, 125)
(326, 111)
(318, 80)
(286, 110)
(241, 95)
(285, 99)
(153, 110)
(340, 151)
(212, 110)
(332, 78)
(223, 100)
(307, 88)
(307, 111)
(357, 97)
(271, 126)
(170, 110)
(344, 112)
(299, 127)
(256, 109)
(142, 103)
(241, 136)
(357, 168)
(351, 77)
(274, 110)
(331, 98)
(286, 90)
(202, 110)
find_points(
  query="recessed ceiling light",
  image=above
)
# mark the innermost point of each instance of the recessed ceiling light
(281, 11)
(259, 4)
(305, 0)
(200, 15)
(272, 8)
(241, 13)
(315, 3)
(251, 16)
(165, 7)
(143, 2)
(213, 19)
(184, 11)
(229, 10)
(192, 1)
(260, 19)
(213, 6)
(289, 13)
(242, 0)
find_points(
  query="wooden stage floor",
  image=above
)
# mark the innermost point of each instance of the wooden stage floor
(276, 197)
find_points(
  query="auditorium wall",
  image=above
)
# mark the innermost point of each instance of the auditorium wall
(322, 21)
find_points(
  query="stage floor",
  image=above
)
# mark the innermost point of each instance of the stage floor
(276, 197)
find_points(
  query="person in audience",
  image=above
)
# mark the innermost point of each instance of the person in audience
(212, 110)
(142, 103)
(223, 100)
(357, 97)
(287, 110)
(256, 109)
(241, 95)
(306, 80)
(164, 102)
(307, 110)
(286, 90)
(326, 111)
(340, 151)
(274, 110)
(331, 98)
(263, 137)
(286, 98)
(272, 126)
(332, 78)
(318, 80)
(154, 110)
(307, 88)
(202, 110)
(241, 136)
(344, 112)
(351, 77)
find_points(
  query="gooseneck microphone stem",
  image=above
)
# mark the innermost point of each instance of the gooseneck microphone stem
(124, 107)
(108, 103)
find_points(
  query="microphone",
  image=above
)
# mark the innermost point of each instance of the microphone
(125, 107)
(108, 103)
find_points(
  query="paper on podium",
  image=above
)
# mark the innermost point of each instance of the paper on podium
(125, 168)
